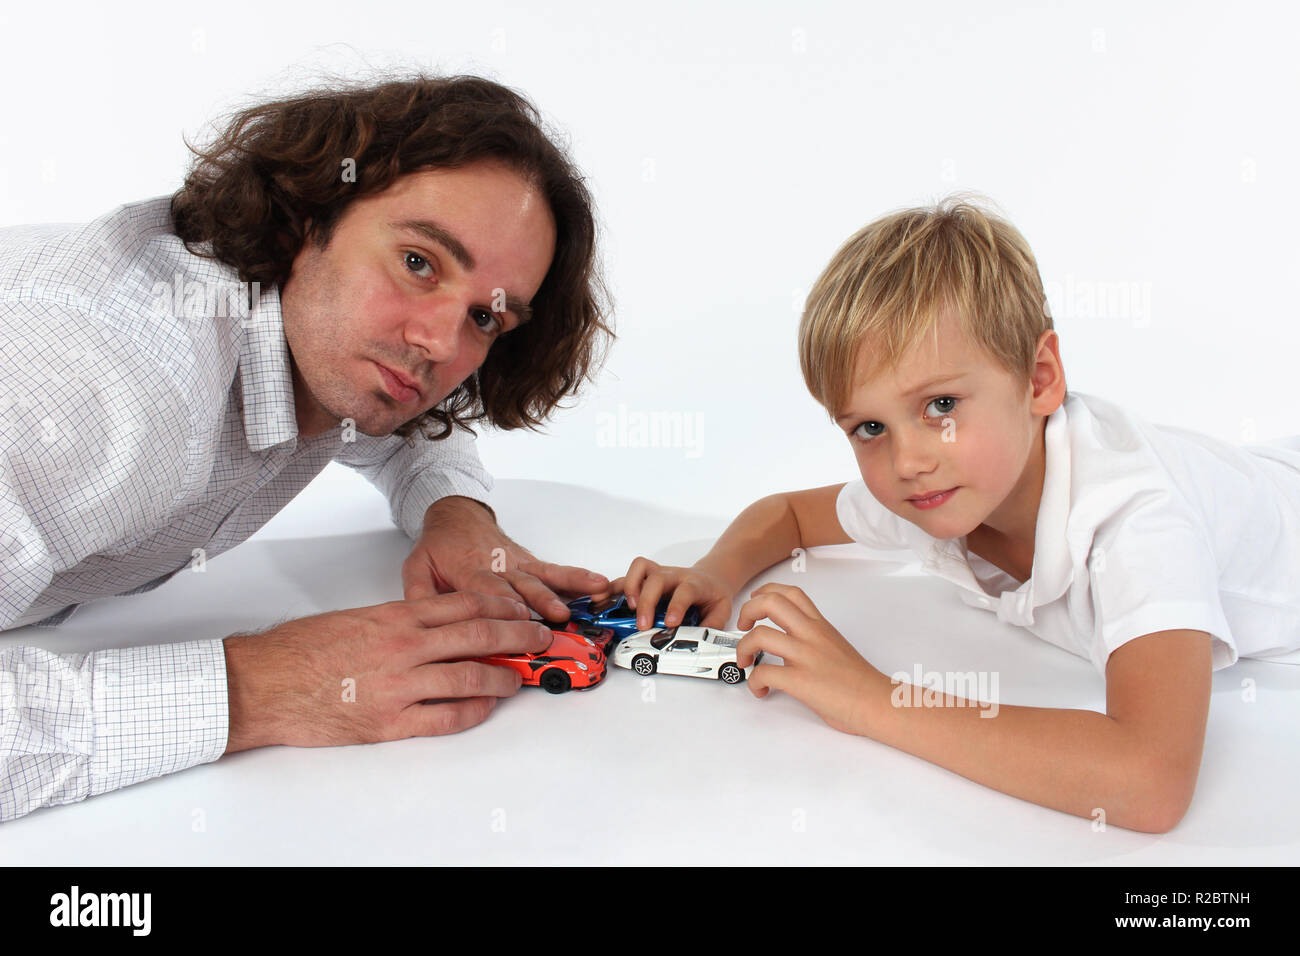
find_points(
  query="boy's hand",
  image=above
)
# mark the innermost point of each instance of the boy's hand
(821, 669)
(646, 583)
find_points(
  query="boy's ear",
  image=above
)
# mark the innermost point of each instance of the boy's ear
(1048, 377)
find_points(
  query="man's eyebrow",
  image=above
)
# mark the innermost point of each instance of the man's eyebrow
(439, 234)
(443, 236)
(924, 386)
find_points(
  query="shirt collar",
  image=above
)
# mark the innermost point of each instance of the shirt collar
(265, 376)
(1050, 575)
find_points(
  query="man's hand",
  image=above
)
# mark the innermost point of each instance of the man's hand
(821, 668)
(462, 549)
(364, 675)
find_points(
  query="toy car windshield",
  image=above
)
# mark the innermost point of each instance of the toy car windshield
(662, 638)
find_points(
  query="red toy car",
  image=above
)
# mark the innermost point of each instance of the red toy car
(572, 661)
(602, 637)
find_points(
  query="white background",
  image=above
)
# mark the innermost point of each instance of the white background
(732, 148)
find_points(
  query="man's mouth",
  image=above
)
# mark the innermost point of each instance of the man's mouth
(399, 386)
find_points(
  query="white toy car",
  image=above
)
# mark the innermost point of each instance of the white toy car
(690, 651)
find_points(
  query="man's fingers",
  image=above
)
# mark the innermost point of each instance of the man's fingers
(565, 578)
(468, 640)
(461, 679)
(417, 577)
(418, 591)
(537, 595)
(603, 594)
(442, 609)
(442, 717)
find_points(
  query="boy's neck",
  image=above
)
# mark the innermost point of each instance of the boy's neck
(1009, 531)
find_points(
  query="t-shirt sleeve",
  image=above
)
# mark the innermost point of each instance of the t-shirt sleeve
(866, 520)
(1152, 569)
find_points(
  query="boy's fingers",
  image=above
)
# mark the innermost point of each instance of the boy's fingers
(763, 678)
(768, 640)
(778, 608)
(649, 600)
(632, 581)
(716, 615)
(683, 598)
(794, 595)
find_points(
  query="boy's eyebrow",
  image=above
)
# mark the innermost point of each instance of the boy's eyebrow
(444, 237)
(924, 386)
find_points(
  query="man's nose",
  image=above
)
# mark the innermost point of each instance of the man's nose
(436, 327)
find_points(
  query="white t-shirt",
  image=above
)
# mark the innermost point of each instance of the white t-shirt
(1141, 528)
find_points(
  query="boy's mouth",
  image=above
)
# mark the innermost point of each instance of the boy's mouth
(932, 499)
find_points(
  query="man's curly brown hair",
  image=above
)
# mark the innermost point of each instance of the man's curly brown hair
(278, 164)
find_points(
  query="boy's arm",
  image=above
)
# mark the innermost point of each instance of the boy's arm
(763, 534)
(1137, 763)
(769, 530)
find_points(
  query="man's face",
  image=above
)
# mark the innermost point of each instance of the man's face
(948, 417)
(419, 279)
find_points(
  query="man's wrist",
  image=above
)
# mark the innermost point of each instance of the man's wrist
(459, 504)
(247, 725)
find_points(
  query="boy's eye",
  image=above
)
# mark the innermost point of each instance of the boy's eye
(943, 406)
(868, 430)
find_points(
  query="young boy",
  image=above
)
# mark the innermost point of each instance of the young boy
(1158, 553)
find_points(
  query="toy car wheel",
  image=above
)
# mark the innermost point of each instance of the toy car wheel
(555, 681)
(644, 665)
(730, 674)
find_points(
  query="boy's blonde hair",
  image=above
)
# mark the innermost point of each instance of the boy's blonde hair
(891, 281)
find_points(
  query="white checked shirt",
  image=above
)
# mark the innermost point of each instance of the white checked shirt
(1141, 528)
(143, 414)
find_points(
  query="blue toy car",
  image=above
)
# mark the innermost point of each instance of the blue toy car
(615, 614)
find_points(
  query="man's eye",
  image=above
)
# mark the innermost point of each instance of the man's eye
(868, 430)
(416, 263)
(485, 319)
(943, 406)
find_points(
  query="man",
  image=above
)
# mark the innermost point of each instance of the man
(340, 271)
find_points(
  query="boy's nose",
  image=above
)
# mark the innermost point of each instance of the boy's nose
(912, 457)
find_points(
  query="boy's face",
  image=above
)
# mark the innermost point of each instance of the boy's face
(420, 280)
(950, 419)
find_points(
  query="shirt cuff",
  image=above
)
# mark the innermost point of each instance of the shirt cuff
(428, 487)
(158, 709)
